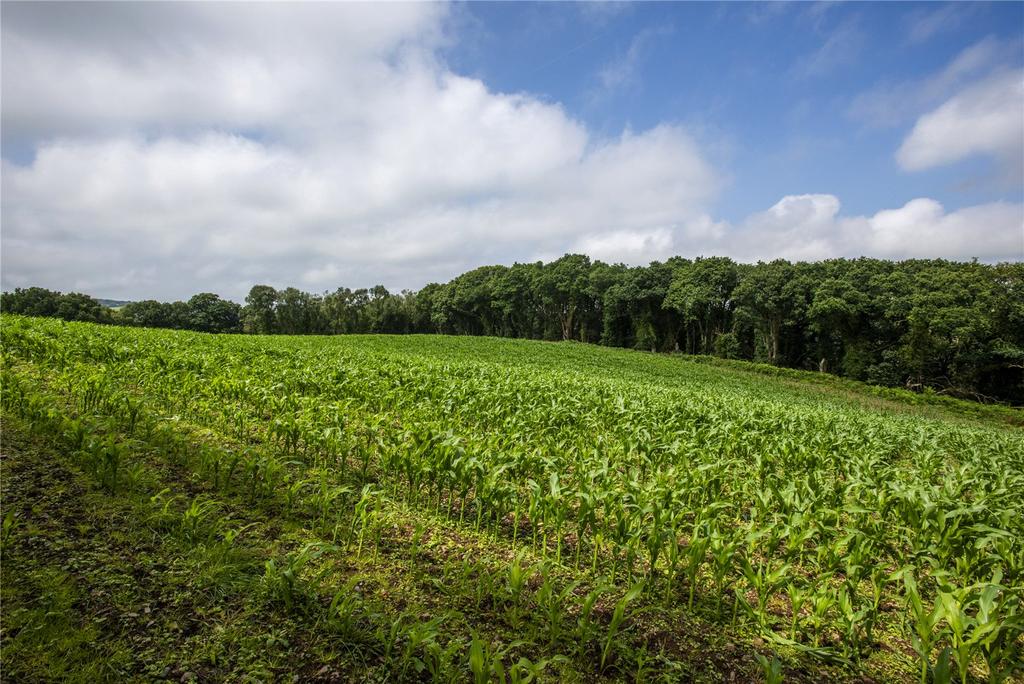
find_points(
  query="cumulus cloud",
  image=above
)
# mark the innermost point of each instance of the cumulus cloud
(186, 147)
(102, 68)
(983, 119)
(223, 211)
(631, 246)
(810, 227)
(201, 147)
(922, 227)
(972, 107)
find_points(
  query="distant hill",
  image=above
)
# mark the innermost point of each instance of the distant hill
(112, 303)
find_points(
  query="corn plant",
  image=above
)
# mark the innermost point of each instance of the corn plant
(199, 521)
(515, 583)
(924, 623)
(619, 616)
(587, 627)
(525, 670)
(9, 525)
(553, 604)
(283, 580)
(771, 669)
(419, 638)
(486, 659)
(710, 489)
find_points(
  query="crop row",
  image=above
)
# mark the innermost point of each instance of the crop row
(828, 529)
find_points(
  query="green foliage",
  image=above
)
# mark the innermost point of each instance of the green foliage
(564, 501)
(957, 328)
(38, 301)
(207, 312)
(619, 616)
(285, 580)
(772, 669)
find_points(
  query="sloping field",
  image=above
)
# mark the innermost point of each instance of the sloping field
(365, 508)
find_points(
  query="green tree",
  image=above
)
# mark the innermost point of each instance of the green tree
(150, 313)
(422, 309)
(773, 296)
(259, 315)
(516, 304)
(38, 301)
(562, 288)
(298, 312)
(207, 312)
(701, 292)
(31, 301)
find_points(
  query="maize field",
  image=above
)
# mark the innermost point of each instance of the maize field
(455, 509)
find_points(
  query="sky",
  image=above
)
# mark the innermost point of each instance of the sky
(156, 150)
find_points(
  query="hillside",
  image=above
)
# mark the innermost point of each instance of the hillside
(113, 303)
(431, 508)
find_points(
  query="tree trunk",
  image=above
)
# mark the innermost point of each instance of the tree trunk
(774, 351)
(566, 320)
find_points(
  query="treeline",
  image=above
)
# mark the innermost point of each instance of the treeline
(205, 312)
(953, 326)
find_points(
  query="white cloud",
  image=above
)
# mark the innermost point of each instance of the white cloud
(810, 227)
(193, 147)
(986, 118)
(629, 246)
(922, 228)
(192, 150)
(221, 212)
(797, 226)
(99, 69)
(892, 104)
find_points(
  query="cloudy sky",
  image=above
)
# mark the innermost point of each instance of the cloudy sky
(155, 150)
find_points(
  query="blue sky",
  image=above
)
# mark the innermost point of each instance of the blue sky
(160, 149)
(771, 89)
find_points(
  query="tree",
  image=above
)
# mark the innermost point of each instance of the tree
(646, 288)
(701, 292)
(259, 310)
(76, 306)
(150, 313)
(341, 312)
(515, 303)
(469, 305)
(207, 312)
(385, 312)
(563, 292)
(837, 316)
(32, 301)
(298, 312)
(38, 301)
(422, 308)
(950, 327)
(601, 325)
(773, 297)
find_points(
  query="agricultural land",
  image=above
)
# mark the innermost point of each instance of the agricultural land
(192, 507)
